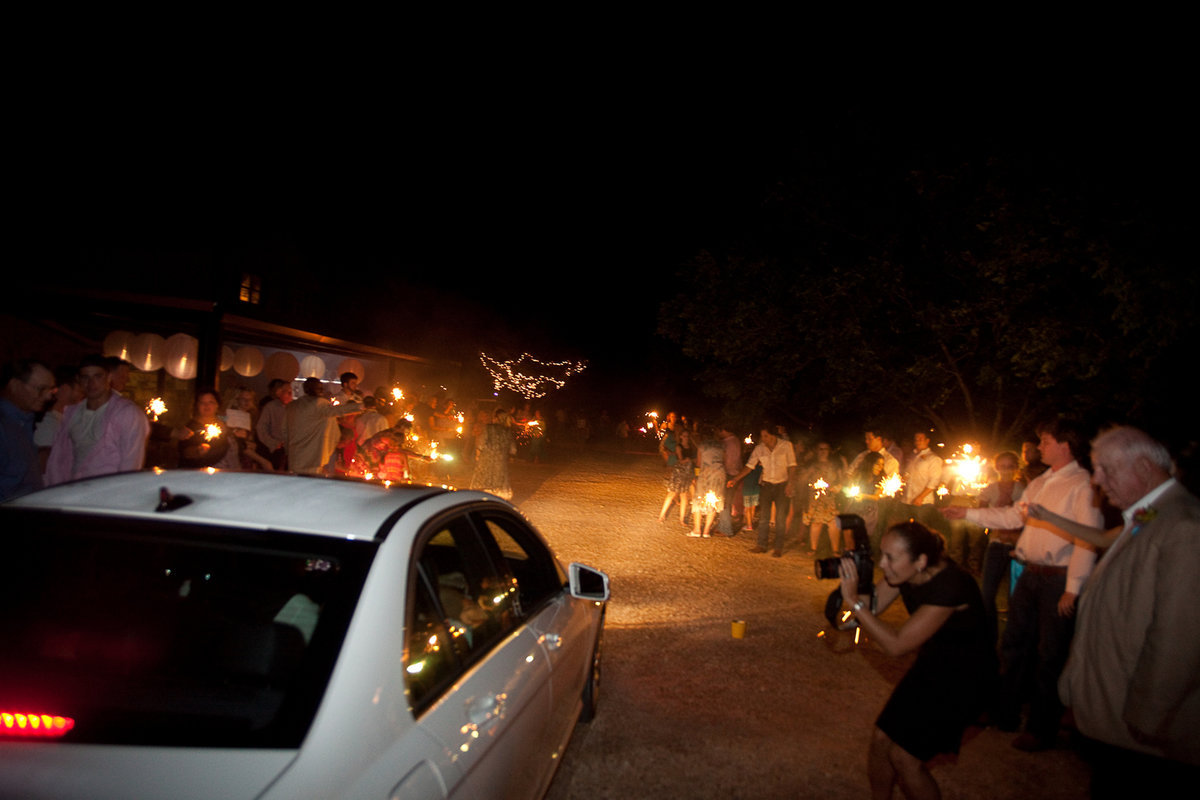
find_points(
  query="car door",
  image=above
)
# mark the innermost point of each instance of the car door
(563, 625)
(477, 677)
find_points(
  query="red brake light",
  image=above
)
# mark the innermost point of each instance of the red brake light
(27, 723)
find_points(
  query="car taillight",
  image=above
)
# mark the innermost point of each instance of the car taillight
(27, 723)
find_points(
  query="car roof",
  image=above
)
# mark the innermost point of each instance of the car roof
(348, 509)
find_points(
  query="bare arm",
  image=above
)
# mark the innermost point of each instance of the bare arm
(1093, 536)
(917, 630)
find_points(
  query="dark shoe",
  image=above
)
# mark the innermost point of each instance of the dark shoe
(757, 549)
(1029, 743)
(776, 553)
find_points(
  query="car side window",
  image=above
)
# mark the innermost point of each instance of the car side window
(459, 608)
(430, 661)
(519, 552)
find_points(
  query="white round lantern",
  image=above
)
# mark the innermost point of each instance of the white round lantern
(180, 356)
(312, 367)
(119, 344)
(248, 361)
(147, 352)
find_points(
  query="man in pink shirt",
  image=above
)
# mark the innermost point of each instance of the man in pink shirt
(102, 434)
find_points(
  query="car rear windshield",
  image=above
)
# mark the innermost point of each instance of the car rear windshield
(158, 634)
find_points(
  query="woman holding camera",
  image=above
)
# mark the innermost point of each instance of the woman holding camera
(948, 685)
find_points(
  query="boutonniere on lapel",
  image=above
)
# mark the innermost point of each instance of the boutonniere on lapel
(1141, 518)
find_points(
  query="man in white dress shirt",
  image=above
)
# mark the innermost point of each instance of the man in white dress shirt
(778, 461)
(1054, 567)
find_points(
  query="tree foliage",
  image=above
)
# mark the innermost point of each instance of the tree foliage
(975, 296)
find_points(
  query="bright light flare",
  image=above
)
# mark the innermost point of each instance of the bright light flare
(211, 431)
(156, 408)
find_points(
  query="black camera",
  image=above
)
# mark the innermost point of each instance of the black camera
(830, 567)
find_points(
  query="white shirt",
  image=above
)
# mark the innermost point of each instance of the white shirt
(1067, 492)
(924, 472)
(775, 462)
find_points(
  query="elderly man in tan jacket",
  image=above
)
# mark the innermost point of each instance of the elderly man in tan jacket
(1133, 677)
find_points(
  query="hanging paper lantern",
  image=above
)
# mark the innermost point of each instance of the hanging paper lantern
(181, 356)
(282, 365)
(312, 367)
(147, 352)
(248, 361)
(351, 365)
(119, 344)
(226, 358)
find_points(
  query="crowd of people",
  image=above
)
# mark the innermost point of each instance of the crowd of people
(78, 421)
(1100, 634)
(1096, 556)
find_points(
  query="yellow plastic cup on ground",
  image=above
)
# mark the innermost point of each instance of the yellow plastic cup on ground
(739, 629)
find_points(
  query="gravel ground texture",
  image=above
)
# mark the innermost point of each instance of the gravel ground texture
(688, 711)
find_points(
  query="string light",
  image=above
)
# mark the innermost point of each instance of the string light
(529, 377)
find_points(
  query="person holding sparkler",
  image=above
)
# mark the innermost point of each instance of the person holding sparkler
(709, 497)
(778, 461)
(205, 441)
(823, 478)
(680, 475)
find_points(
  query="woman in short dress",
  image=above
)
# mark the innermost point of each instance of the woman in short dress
(680, 475)
(948, 685)
(709, 496)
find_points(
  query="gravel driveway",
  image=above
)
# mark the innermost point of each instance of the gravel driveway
(686, 710)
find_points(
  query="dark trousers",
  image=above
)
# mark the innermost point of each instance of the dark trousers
(995, 571)
(1033, 651)
(769, 493)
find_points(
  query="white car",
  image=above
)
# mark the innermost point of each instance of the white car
(249, 635)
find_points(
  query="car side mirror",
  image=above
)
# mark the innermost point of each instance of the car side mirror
(588, 583)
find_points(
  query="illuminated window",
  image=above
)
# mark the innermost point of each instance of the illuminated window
(251, 289)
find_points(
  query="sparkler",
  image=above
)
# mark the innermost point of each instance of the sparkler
(156, 408)
(211, 431)
(819, 486)
(891, 486)
(968, 469)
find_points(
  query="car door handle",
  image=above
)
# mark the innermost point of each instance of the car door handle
(484, 709)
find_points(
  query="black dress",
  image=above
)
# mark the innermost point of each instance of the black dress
(949, 684)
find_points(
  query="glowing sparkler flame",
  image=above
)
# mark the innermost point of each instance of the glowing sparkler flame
(156, 408)
(968, 470)
(211, 431)
(397, 394)
(891, 486)
(819, 486)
